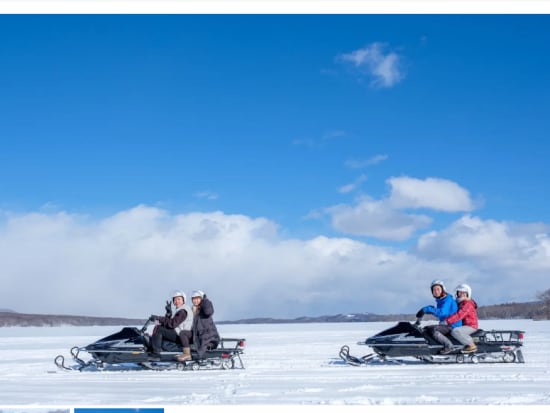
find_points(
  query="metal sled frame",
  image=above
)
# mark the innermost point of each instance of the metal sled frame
(226, 356)
(496, 346)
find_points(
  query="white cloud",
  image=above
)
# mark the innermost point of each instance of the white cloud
(433, 193)
(353, 186)
(320, 142)
(376, 219)
(384, 219)
(384, 68)
(127, 264)
(335, 134)
(359, 164)
(515, 257)
(344, 189)
(499, 243)
(209, 195)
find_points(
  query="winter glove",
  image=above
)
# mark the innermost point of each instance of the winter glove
(153, 317)
(168, 309)
(420, 313)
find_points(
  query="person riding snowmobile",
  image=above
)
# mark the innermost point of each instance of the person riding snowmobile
(171, 327)
(205, 333)
(467, 312)
(445, 306)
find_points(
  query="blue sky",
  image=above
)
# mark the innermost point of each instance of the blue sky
(160, 152)
(118, 410)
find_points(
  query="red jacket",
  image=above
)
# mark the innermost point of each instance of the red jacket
(467, 312)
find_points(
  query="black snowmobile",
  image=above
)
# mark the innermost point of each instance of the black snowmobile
(129, 349)
(407, 339)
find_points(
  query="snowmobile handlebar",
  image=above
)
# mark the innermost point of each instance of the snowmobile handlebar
(148, 322)
(417, 323)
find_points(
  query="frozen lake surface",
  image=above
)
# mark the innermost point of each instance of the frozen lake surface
(285, 364)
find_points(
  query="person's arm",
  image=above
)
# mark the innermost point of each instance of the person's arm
(174, 321)
(207, 308)
(448, 307)
(429, 309)
(462, 312)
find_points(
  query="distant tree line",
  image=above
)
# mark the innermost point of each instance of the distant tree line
(536, 310)
(12, 319)
(544, 298)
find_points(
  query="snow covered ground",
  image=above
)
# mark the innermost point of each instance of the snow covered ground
(285, 364)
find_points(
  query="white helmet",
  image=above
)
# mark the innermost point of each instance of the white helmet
(465, 288)
(197, 293)
(179, 293)
(438, 282)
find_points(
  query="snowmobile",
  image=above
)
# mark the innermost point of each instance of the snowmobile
(407, 339)
(129, 348)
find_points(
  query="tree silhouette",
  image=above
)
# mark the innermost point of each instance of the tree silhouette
(544, 298)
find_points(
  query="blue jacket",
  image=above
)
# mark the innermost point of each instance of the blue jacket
(446, 306)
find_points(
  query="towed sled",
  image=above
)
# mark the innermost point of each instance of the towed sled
(129, 349)
(407, 339)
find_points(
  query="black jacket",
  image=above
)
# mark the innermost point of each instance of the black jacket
(205, 333)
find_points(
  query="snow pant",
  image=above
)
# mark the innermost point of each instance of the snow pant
(162, 333)
(205, 346)
(186, 336)
(463, 334)
(439, 333)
